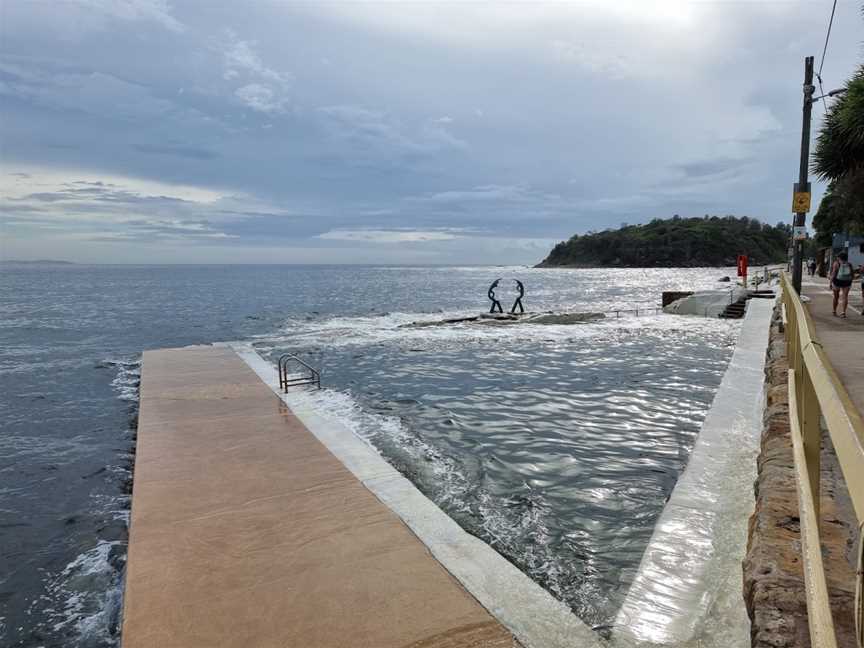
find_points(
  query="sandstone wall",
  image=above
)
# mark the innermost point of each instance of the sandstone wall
(773, 577)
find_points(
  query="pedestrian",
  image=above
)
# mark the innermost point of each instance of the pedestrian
(841, 281)
(861, 276)
(811, 266)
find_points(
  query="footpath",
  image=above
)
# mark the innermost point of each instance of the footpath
(841, 338)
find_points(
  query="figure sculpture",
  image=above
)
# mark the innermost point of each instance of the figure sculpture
(496, 304)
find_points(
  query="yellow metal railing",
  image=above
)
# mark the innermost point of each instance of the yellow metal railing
(816, 394)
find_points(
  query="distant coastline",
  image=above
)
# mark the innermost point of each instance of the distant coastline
(36, 262)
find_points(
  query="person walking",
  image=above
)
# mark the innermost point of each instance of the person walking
(841, 281)
(811, 266)
(861, 276)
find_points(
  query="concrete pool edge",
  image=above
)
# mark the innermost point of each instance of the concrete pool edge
(683, 575)
(534, 616)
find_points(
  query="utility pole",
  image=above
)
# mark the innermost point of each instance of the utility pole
(801, 200)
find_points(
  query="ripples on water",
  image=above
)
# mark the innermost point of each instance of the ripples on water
(557, 444)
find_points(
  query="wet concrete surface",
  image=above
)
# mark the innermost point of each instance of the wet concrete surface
(247, 531)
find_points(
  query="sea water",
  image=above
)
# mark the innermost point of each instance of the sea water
(558, 445)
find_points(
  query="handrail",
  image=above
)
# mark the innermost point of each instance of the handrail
(652, 310)
(816, 393)
(818, 605)
(313, 378)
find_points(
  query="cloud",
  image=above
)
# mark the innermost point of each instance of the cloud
(177, 150)
(76, 21)
(390, 236)
(122, 208)
(466, 131)
(158, 11)
(485, 193)
(616, 66)
(712, 167)
(368, 133)
(264, 89)
(240, 56)
(261, 98)
(94, 93)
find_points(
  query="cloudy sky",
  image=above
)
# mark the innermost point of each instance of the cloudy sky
(393, 132)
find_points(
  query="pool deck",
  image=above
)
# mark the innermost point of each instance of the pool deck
(247, 531)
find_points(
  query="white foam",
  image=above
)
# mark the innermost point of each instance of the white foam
(89, 593)
(342, 332)
(127, 380)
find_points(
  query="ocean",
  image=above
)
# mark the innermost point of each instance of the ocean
(556, 444)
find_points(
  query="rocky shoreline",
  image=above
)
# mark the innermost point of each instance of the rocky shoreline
(498, 319)
(773, 577)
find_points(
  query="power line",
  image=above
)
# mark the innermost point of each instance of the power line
(827, 36)
(824, 50)
(822, 94)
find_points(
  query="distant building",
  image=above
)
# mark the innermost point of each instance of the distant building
(853, 244)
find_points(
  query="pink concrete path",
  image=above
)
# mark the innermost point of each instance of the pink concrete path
(247, 532)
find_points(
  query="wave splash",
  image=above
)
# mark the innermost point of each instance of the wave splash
(83, 603)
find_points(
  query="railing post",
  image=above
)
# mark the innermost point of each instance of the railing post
(811, 432)
(808, 410)
(859, 588)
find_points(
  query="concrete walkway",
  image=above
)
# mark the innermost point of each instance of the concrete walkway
(247, 531)
(841, 338)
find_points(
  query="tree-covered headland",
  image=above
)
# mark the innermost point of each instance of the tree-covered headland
(676, 242)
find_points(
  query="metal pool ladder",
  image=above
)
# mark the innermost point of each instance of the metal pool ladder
(308, 375)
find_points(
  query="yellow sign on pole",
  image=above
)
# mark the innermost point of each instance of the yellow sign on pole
(801, 202)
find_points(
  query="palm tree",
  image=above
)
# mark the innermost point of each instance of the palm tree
(840, 145)
(839, 158)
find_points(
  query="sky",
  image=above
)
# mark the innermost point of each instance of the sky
(157, 131)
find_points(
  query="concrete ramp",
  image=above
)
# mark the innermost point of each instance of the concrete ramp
(246, 531)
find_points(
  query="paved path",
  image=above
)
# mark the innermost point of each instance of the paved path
(247, 531)
(842, 339)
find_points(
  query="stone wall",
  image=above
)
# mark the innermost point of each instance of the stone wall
(773, 576)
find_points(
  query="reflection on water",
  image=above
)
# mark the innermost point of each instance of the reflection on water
(559, 446)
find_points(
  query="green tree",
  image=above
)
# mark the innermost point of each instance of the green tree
(841, 208)
(676, 242)
(840, 145)
(839, 158)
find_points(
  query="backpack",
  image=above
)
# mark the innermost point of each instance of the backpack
(844, 272)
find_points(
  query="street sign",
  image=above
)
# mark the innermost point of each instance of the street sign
(799, 233)
(801, 199)
(801, 202)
